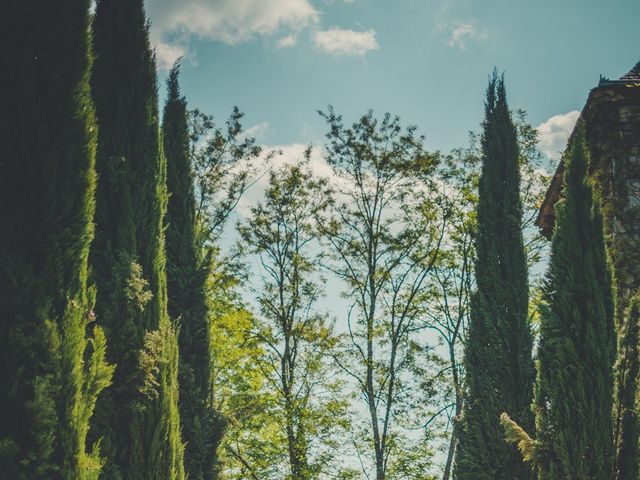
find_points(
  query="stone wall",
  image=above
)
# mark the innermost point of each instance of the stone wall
(612, 121)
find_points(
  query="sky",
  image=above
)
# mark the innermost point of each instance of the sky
(427, 61)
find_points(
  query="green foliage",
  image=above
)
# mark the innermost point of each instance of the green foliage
(159, 367)
(221, 168)
(136, 289)
(187, 273)
(515, 434)
(398, 231)
(384, 232)
(252, 445)
(627, 369)
(499, 370)
(452, 281)
(281, 233)
(52, 365)
(138, 416)
(451, 284)
(415, 462)
(574, 391)
(224, 167)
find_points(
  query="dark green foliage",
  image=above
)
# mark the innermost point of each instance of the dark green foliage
(138, 416)
(574, 389)
(50, 371)
(627, 368)
(498, 354)
(187, 273)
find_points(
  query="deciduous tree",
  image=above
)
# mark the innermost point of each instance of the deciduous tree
(384, 232)
(281, 233)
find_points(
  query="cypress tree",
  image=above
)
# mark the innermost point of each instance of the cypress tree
(498, 354)
(627, 369)
(50, 371)
(574, 388)
(187, 273)
(138, 416)
(574, 391)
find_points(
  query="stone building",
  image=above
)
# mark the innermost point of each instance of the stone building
(611, 117)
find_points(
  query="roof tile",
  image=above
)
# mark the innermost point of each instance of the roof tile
(633, 74)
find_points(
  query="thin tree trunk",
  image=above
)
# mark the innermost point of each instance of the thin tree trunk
(452, 449)
(453, 443)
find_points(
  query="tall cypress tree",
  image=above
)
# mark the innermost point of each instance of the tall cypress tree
(574, 388)
(187, 272)
(50, 371)
(574, 391)
(498, 354)
(627, 369)
(138, 416)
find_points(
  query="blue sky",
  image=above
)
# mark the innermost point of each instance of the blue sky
(425, 60)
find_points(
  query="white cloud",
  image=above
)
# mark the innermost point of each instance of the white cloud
(228, 21)
(460, 33)
(257, 131)
(554, 133)
(288, 41)
(337, 41)
(288, 154)
(167, 53)
(174, 23)
(294, 152)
